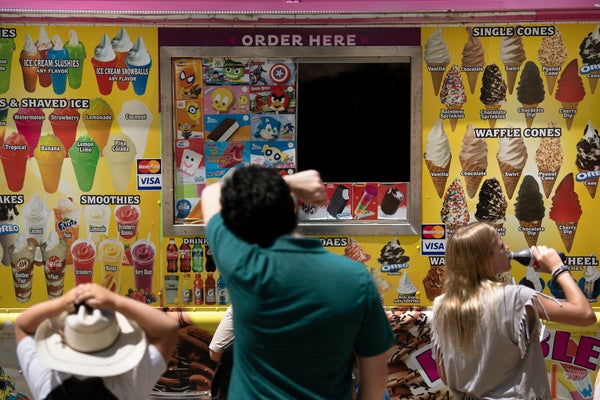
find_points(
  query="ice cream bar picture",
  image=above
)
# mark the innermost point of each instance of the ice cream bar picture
(224, 130)
(338, 201)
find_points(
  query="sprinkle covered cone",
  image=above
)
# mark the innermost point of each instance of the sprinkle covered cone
(492, 107)
(511, 77)
(567, 233)
(529, 115)
(439, 176)
(548, 179)
(437, 76)
(569, 116)
(590, 184)
(472, 78)
(472, 181)
(454, 121)
(531, 235)
(510, 177)
(593, 82)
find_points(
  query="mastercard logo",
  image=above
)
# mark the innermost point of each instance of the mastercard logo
(149, 166)
(433, 231)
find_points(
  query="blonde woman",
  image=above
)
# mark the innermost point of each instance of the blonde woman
(486, 335)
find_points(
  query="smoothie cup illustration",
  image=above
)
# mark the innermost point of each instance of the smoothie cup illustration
(66, 222)
(35, 222)
(64, 123)
(143, 253)
(9, 229)
(97, 220)
(76, 52)
(84, 156)
(50, 154)
(27, 59)
(121, 44)
(139, 60)
(14, 153)
(110, 259)
(119, 154)
(7, 47)
(135, 120)
(128, 218)
(29, 123)
(43, 46)
(59, 69)
(21, 260)
(54, 253)
(98, 119)
(104, 61)
(83, 252)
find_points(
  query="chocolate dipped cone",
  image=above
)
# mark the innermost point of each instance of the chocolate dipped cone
(472, 180)
(567, 233)
(439, 176)
(510, 177)
(530, 231)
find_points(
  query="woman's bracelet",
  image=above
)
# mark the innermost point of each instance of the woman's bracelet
(559, 271)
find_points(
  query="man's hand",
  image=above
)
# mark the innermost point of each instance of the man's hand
(307, 186)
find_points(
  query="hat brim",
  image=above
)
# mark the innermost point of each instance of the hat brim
(122, 356)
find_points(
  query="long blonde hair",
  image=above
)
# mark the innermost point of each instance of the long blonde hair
(469, 272)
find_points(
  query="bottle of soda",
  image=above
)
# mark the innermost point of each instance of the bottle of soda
(210, 263)
(172, 256)
(197, 257)
(222, 294)
(185, 258)
(198, 290)
(211, 290)
(187, 289)
(524, 257)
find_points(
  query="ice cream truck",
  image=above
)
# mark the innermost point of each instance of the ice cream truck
(421, 117)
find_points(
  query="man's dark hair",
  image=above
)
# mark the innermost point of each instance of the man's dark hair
(257, 205)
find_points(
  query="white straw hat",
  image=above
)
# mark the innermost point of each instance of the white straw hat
(93, 342)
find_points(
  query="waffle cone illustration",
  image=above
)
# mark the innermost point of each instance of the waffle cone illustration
(531, 235)
(472, 78)
(510, 177)
(593, 81)
(454, 121)
(492, 107)
(590, 184)
(511, 76)
(548, 181)
(437, 76)
(567, 233)
(529, 115)
(472, 181)
(569, 116)
(551, 81)
(439, 176)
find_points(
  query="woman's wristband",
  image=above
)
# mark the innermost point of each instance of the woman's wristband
(559, 271)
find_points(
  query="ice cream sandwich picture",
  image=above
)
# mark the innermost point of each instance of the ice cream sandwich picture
(224, 130)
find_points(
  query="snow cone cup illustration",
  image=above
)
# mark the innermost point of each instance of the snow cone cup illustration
(50, 155)
(7, 47)
(43, 46)
(29, 123)
(14, 153)
(104, 62)
(135, 120)
(119, 154)
(21, 260)
(84, 156)
(110, 259)
(54, 254)
(76, 52)
(64, 122)
(139, 60)
(121, 45)
(58, 74)
(98, 120)
(27, 59)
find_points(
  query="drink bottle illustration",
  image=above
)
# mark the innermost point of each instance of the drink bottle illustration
(524, 257)
(210, 263)
(185, 258)
(198, 290)
(197, 258)
(187, 290)
(222, 294)
(210, 290)
(172, 255)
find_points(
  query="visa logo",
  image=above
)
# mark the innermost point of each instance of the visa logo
(434, 246)
(149, 182)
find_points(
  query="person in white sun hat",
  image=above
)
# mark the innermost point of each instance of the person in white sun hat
(92, 343)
